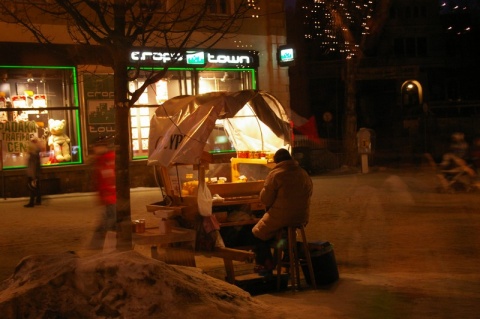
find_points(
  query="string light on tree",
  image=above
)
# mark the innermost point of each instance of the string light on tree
(253, 5)
(337, 25)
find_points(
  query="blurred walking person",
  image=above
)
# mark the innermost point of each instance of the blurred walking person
(33, 173)
(104, 174)
(475, 155)
(458, 146)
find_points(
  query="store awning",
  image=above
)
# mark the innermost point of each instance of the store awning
(181, 126)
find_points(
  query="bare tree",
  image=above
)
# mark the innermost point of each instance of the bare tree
(346, 30)
(117, 26)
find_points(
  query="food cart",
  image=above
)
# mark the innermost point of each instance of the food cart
(211, 154)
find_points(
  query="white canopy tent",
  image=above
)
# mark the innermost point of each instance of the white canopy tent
(181, 126)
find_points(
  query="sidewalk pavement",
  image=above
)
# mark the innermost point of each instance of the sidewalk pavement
(49, 228)
(403, 250)
(65, 223)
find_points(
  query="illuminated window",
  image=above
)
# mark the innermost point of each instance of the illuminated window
(175, 83)
(412, 97)
(34, 101)
(228, 80)
(219, 6)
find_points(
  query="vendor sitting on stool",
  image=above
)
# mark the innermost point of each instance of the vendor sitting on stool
(286, 194)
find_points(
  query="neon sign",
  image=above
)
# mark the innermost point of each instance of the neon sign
(161, 57)
(286, 55)
(196, 58)
(228, 59)
(193, 58)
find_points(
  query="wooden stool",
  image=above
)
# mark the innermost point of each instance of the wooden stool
(295, 260)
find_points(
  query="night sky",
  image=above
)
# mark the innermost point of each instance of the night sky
(453, 6)
(460, 17)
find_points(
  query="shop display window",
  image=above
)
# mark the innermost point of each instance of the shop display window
(39, 102)
(227, 80)
(98, 94)
(176, 82)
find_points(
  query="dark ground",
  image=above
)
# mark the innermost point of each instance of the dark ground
(403, 250)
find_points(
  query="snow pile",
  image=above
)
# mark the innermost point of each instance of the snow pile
(120, 285)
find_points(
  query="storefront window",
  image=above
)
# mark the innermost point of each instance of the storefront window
(99, 98)
(98, 94)
(176, 82)
(182, 82)
(39, 102)
(224, 80)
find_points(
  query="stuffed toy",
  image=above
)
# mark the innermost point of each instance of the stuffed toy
(58, 141)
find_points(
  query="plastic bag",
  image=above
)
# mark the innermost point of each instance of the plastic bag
(204, 196)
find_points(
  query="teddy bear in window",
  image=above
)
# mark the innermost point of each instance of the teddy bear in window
(58, 141)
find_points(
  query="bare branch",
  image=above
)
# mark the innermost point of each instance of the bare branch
(121, 24)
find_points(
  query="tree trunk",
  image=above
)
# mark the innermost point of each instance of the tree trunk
(119, 48)
(122, 153)
(350, 138)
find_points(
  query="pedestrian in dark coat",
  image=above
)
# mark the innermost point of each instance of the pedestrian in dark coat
(33, 173)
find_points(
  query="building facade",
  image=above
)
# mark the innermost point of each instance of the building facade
(414, 87)
(63, 92)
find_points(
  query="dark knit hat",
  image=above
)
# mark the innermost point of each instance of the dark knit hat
(281, 155)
